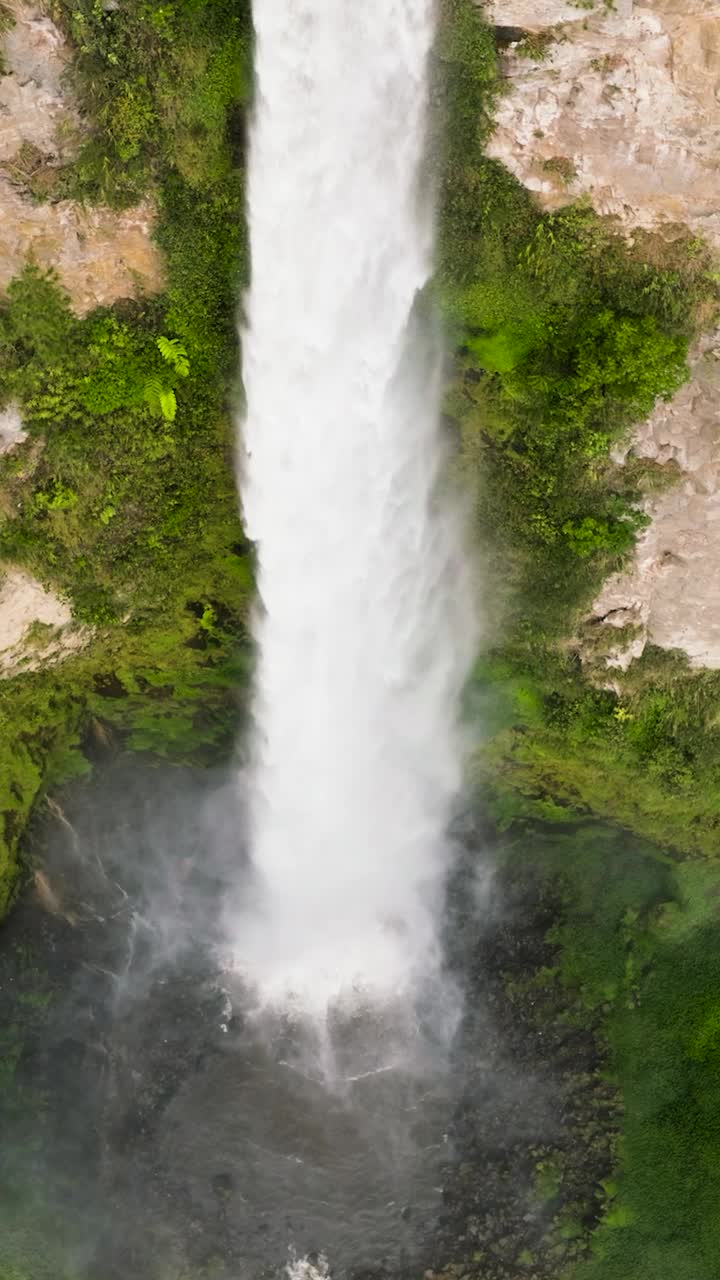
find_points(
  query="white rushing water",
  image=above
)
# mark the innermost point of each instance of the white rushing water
(366, 628)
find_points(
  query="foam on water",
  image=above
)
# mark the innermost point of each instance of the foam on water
(366, 630)
(304, 1269)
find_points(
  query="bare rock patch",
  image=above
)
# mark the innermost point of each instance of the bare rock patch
(36, 626)
(12, 432)
(100, 254)
(624, 107)
(672, 587)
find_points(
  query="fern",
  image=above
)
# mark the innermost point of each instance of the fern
(168, 404)
(156, 393)
(160, 398)
(152, 391)
(173, 351)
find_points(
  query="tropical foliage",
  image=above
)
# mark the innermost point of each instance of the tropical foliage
(123, 498)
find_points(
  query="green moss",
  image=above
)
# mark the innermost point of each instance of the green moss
(548, 1179)
(664, 1050)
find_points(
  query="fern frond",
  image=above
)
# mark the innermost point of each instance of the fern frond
(152, 387)
(173, 351)
(153, 390)
(168, 405)
(167, 348)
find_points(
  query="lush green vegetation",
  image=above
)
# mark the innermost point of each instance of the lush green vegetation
(647, 756)
(637, 956)
(564, 335)
(123, 498)
(164, 85)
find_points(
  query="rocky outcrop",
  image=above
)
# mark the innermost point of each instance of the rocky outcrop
(672, 590)
(101, 255)
(621, 104)
(12, 432)
(36, 627)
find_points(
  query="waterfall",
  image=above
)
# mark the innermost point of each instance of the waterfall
(364, 630)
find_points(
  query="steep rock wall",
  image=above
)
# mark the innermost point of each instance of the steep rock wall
(621, 105)
(624, 106)
(672, 590)
(100, 254)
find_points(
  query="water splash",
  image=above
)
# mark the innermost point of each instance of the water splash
(365, 632)
(307, 1269)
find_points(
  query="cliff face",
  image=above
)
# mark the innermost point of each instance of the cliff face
(125, 577)
(672, 590)
(621, 105)
(624, 105)
(100, 255)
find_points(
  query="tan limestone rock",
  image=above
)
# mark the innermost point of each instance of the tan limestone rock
(36, 626)
(101, 255)
(12, 432)
(626, 103)
(673, 585)
(34, 107)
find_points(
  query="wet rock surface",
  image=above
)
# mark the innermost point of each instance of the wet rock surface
(175, 1135)
(532, 1133)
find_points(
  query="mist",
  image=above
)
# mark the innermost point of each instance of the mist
(182, 1122)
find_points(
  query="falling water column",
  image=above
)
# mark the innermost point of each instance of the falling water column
(364, 632)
